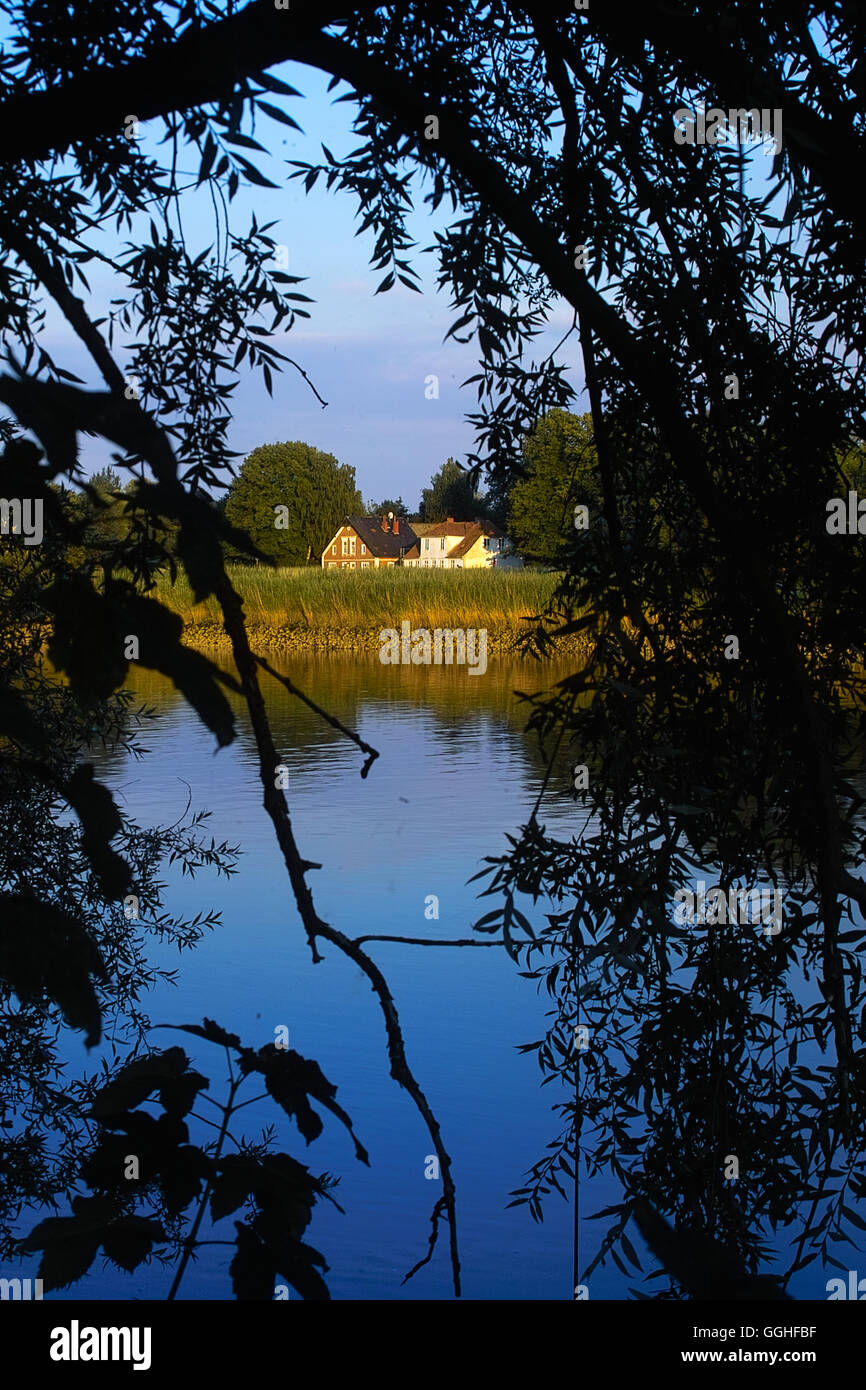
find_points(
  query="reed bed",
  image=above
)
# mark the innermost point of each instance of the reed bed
(364, 600)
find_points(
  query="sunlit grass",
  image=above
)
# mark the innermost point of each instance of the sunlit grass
(357, 599)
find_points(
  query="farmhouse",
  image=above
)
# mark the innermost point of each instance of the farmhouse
(368, 542)
(371, 542)
(457, 545)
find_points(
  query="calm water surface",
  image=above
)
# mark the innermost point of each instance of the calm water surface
(454, 776)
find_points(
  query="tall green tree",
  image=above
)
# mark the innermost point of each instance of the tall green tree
(561, 472)
(398, 507)
(290, 498)
(104, 512)
(451, 493)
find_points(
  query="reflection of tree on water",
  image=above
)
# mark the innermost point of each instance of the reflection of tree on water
(82, 896)
(689, 1082)
(719, 1067)
(357, 689)
(51, 974)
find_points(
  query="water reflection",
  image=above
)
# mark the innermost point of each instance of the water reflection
(454, 776)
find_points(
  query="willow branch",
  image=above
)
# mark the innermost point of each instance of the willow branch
(205, 64)
(55, 414)
(331, 719)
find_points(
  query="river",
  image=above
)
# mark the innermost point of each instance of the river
(455, 775)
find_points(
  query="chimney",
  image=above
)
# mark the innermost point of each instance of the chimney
(449, 518)
(384, 523)
(395, 526)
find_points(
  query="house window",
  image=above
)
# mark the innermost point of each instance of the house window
(351, 567)
(363, 549)
(426, 542)
(442, 543)
(334, 548)
(344, 544)
(352, 546)
(365, 564)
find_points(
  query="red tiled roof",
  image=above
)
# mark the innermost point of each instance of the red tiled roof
(463, 528)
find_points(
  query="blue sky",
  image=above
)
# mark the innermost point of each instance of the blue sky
(367, 354)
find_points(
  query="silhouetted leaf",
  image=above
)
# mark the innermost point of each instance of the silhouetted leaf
(297, 1263)
(285, 1189)
(128, 1241)
(276, 114)
(181, 1176)
(44, 951)
(210, 1031)
(252, 1269)
(68, 1248)
(105, 1166)
(285, 1080)
(17, 720)
(100, 822)
(178, 1095)
(86, 641)
(138, 1080)
(233, 1183)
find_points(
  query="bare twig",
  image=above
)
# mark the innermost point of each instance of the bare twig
(56, 414)
(423, 941)
(124, 422)
(331, 719)
(438, 1212)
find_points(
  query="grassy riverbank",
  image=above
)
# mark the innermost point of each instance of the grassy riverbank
(316, 609)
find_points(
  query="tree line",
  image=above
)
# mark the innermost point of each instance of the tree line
(289, 498)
